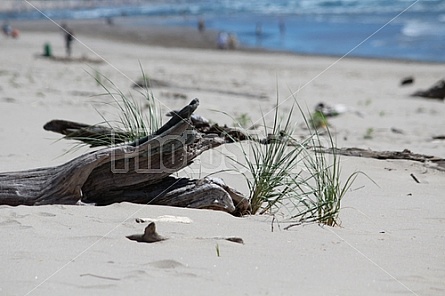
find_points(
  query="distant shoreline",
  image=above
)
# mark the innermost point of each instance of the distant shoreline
(14, 6)
(122, 30)
(359, 30)
(184, 37)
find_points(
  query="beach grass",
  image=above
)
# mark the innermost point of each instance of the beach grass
(136, 118)
(270, 165)
(286, 175)
(322, 202)
(293, 177)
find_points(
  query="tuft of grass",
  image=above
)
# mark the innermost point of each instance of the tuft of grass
(295, 178)
(243, 120)
(318, 120)
(98, 77)
(135, 118)
(271, 165)
(322, 190)
(369, 134)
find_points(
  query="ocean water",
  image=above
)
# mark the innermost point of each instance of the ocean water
(392, 29)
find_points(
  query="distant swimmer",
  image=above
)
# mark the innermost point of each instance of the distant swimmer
(282, 26)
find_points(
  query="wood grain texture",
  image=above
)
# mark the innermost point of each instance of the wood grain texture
(136, 172)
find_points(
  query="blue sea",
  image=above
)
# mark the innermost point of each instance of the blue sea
(390, 29)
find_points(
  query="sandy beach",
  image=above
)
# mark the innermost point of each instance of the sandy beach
(391, 240)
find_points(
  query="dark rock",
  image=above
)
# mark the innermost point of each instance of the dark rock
(407, 80)
(437, 91)
(150, 235)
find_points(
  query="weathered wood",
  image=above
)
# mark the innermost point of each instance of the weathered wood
(401, 155)
(98, 135)
(437, 91)
(135, 172)
(208, 193)
(93, 135)
(227, 135)
(139, 172)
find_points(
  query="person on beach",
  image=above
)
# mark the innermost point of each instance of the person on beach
(110, 21)
(7, 29)
(201, 25)
(69, 38)
(259, 33)
(232, 42)
(15, 33)
(223, 39)
(259, 30)
(282, 26)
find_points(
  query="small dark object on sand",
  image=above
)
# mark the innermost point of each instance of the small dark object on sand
(407, 80)
(437, 91)
(329, 111)
(237, 240)
(441, 137)
(396, 130)
(414, 177)
(150, 235)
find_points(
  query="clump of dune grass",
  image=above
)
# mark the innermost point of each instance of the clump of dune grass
(369, 133)
(270, 165)
(293, 177)
(136, 117)
(322, 189)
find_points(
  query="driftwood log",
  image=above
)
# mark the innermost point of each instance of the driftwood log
(83, 132)
(135, 172)
(384, 155)
(437, 91)
(140, 172)
(98, 135)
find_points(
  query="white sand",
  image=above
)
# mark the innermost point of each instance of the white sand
(392, 237)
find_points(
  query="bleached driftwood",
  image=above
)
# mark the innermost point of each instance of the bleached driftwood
(135, 172)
